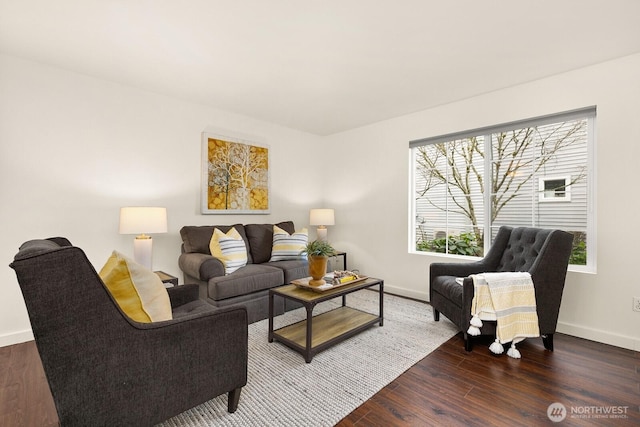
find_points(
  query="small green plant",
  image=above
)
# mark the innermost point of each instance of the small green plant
(424, 246)
(466, 244)
(579, 253)
(318, 248)
(463, 244)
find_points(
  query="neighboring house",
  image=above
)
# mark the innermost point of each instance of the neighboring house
(545, 185)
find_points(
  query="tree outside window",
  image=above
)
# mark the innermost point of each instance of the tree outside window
(465, 188)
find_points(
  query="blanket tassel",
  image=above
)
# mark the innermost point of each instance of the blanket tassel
(496, 347)
(473, 331)
(513, 352)
(475, 321)
(474, 326)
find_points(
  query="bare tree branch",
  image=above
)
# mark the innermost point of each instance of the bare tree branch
(514, 163)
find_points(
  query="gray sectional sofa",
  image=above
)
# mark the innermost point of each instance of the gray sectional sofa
(249, 285)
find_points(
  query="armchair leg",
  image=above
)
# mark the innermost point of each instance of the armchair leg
(436, 315)
(468, 345)
(234, 398)
(547, 340)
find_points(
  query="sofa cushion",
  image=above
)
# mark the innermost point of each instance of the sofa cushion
(288, 246)
(260, 237)
(292, 269)
(229, 248)
(196, 238)
(449, 288)
(138, 291)
(248, 279)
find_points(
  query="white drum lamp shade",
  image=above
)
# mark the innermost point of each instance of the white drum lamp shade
(322, 218)
(141, 220)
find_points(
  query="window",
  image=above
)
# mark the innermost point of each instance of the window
(556, 189)
(535, 173)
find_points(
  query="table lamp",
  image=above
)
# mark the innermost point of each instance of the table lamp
(321, 218)
(140, 220)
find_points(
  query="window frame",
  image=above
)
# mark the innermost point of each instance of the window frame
(588, 113)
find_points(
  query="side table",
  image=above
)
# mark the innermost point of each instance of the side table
(344, 259)
(167, 279)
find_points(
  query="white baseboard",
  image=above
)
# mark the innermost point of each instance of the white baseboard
(598, 335)
(604, 337)
(409, 293)
(16, 338)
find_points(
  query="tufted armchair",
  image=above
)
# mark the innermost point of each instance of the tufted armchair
(104, 368)
(543, 253)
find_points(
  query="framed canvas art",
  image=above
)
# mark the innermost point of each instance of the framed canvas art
(235, 176)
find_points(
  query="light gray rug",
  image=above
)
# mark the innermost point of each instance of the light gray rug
(283, 390)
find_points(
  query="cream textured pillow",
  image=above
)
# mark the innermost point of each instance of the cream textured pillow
(229, 248)
(288, 246)
(138, 291)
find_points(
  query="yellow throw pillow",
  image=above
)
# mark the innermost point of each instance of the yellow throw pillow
(288, 247)
(138, 291)
(229, 248)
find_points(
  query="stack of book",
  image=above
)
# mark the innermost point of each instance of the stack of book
(341, 277)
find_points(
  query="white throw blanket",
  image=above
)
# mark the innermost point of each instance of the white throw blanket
(510, 300)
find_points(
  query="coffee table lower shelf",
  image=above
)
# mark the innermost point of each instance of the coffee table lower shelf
(329, 329)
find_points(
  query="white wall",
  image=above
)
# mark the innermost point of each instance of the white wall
(75, 149)
(372, 201)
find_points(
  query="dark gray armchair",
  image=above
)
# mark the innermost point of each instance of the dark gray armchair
(543, 253)
(104, 369)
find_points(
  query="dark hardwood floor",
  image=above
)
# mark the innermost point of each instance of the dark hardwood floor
(25, 399)
(449, 387)
(452, 387)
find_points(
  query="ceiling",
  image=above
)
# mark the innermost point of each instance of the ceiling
(320, 66)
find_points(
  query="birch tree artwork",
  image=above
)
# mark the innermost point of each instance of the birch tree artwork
(237, 177)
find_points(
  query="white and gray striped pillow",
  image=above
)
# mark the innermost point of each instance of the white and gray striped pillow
(229, 248)
(288, 246)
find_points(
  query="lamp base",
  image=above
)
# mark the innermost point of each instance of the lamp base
(143, 250)
(321, 233)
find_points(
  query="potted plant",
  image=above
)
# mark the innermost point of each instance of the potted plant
(318, 253)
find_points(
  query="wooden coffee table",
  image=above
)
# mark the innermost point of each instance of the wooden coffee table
(331, 327)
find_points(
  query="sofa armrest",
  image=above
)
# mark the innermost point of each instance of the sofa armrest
(201, 266)
(187, 361)
(180, 295)
(457, 269)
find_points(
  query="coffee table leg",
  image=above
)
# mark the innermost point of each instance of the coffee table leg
(381, 288)
(307, 356)
(271, 317)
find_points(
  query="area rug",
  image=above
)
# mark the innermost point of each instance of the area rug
(283, 390)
